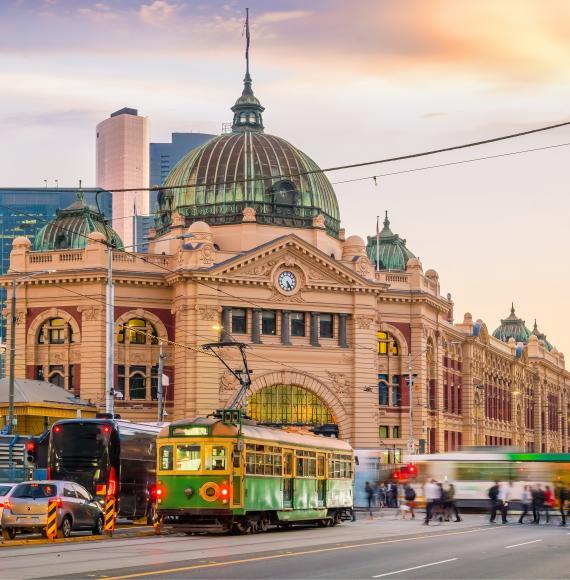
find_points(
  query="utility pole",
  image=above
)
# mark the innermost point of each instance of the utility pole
(160, 385)
(411, 441)
(110, 336)
(12, 378)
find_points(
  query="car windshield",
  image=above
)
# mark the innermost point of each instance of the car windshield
(35, 490)
(4, 489)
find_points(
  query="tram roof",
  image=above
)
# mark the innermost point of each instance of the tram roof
(262, 433)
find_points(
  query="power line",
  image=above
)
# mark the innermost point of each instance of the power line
(333, 168)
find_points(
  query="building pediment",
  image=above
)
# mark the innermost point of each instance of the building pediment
(317, 270)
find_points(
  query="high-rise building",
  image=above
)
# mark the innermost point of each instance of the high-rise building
(164, 156)
(123, 163)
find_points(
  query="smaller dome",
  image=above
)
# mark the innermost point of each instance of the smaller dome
(512, 327)
(392, 253)
(354, 241)
(432, 275)
(413, 264)
(21, 242)
(353, 248)
(541, 336)
(72, 226)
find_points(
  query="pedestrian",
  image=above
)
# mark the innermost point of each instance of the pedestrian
(548, 502)
(526, 499)
(432, 494)
(381, 491)
(410, 499)
(369, 491)
(562, 494)
(493, 494)
(537, 503)
(504, 497)
(451, 506)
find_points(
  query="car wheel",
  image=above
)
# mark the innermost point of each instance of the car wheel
(8, 533)
(98, 528)
(65, 528)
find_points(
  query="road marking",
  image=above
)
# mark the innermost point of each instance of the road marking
(523, 544)
(414, 568)
(293, 554)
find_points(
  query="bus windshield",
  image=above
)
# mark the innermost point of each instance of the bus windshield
(81, 452)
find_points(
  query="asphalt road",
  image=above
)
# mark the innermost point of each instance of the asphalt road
(381, 548)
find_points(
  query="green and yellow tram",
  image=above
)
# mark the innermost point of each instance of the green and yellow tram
(223, 474)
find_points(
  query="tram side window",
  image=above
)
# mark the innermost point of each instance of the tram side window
(306, 463)
(262, 460)
(216, 457)
(340, 467)
(188, 457)
(166, 458)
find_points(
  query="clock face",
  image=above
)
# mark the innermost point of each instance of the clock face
(287, 281)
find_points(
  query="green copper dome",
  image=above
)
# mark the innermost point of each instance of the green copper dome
(541, 336)
(72, 225)
(512, 327)
(247, 168)
(393, 252)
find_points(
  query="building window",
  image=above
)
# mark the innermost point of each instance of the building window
(154, 383)
(396, 432)
(326, 325)
(137, 331)
(269, 322)
(383, 395)
(396, 392)
(384, 432)
(387, 344)
(239, 321)
(121, 379)
(297, 324)
(71, 378)
(56, 375)
(137, 383)
(54, 331)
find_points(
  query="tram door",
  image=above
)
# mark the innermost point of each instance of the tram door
(288, 479)
(236, 477)
(321, 481)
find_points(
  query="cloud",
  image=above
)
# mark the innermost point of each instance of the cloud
(271, 17)
(157, 12)
(100, 12)
(67, 117)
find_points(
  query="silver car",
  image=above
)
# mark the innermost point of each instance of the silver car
(26, 509)
(5, 489)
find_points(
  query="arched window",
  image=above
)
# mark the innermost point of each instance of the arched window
(284, 192)
(56, 376)
(383, 393)
(137, 331)
(288, 405)
(387, 344)
(55, 331)
(137, 383)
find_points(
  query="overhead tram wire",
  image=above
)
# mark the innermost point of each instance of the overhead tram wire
(337, 167)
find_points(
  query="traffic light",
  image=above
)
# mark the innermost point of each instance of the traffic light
(31, 452)
(410, 470)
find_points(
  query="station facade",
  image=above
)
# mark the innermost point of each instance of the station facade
(248, 246)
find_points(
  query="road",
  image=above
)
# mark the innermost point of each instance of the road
(379, 548)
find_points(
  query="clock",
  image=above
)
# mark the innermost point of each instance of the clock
(287, 281)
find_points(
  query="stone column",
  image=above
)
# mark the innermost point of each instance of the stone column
(285, 327)
(342, 340)
(315, 329)
(256, 326)
(226, 323)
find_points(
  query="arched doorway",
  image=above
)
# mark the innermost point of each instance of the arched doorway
(288, 404)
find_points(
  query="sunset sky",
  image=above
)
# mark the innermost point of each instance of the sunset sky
(345, 82)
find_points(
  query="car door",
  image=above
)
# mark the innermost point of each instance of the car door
(90, 509)
(72, 505)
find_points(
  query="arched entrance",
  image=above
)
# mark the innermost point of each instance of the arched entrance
(287, 404)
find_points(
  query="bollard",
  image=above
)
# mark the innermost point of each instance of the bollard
(110, 514)
(51, 523)
(156, 522)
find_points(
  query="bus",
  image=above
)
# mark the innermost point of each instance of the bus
(474, 471)
(222, 474)
(107, 457)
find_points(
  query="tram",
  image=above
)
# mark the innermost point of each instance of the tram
(474, 471)
(223, 473)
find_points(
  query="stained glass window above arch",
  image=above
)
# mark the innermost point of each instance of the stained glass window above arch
(137, 331)
(288, 405)
(387, 344)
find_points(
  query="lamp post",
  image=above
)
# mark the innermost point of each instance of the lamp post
(411, 359)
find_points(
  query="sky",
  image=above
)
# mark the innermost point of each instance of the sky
(345, 82)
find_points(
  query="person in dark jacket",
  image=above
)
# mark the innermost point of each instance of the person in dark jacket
(370, 493)
(450, 505)
(537, 503)
(562, 496)
(493, 494)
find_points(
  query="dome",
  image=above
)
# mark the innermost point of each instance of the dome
(394, 254)
(71, 227)
(512, 327)
(541, 336)
(246, 167)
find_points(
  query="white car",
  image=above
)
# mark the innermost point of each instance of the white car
(5, 491)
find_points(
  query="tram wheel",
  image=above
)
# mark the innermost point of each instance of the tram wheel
(263, 524)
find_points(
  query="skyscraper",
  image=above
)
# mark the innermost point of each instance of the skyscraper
(164, 156)
(123, 163)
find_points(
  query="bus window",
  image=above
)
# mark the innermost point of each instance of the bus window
(216, 458)
(188, 457)
(166, 458)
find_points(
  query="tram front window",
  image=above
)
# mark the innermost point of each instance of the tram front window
(188, 457)
(216, 458)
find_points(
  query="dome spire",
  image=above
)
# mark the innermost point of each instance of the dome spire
(247, 109)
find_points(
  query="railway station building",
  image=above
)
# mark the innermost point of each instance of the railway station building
(248, 246)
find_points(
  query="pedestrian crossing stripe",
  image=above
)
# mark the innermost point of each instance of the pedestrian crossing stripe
(110, 514)
(51, 524)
